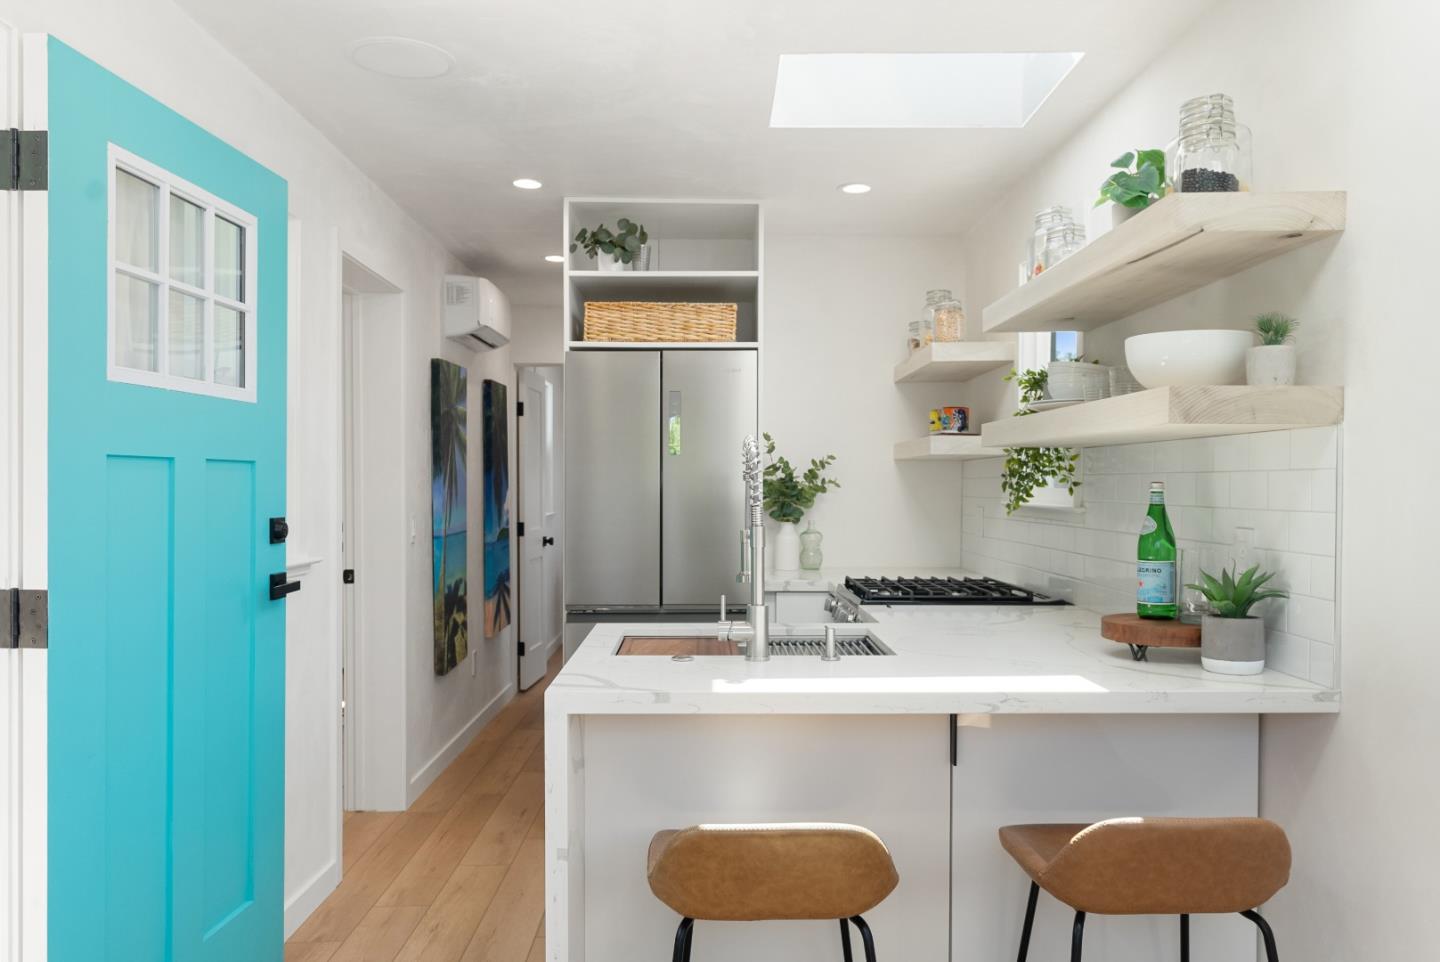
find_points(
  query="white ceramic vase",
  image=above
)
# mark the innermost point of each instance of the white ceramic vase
(786, 553)
(1270, 364)
(608, 263)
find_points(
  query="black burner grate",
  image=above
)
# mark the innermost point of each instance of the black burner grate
(943, 591)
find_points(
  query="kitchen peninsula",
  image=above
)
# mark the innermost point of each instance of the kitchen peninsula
(991, 715)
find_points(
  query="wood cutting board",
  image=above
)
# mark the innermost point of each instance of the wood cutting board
(669, 647)
(1129, 628)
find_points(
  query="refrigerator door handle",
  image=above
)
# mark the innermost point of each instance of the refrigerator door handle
(672, 430)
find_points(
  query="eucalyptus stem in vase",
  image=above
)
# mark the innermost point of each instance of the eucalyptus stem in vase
(789, 493)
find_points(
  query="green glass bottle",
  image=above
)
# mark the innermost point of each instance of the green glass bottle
(1157, 595)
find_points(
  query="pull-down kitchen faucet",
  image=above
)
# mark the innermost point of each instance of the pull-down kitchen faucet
(755, 630)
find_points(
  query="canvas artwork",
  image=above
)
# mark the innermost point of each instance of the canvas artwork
(447, 500)
(497, 510)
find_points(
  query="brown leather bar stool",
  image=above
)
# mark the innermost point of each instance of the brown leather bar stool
(1153, 866)
(752, 873)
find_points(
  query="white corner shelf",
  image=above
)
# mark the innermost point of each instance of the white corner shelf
(954, 361)
(1183, 242)
(942, 447)
(1170, 413)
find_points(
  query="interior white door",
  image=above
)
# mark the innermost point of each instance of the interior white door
(535, 468)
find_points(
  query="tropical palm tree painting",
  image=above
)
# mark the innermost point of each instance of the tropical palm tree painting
(497, 508)
(447, 501)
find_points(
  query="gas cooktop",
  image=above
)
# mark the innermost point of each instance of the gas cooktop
(943, 591)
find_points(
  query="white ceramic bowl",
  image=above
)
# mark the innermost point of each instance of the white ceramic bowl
(1188, 358)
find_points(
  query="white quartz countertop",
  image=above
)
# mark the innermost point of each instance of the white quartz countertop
(970, 660)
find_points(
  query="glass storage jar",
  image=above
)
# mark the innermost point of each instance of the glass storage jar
(944, 315)
(1060, 243)
(1212, 152)
(1050, 217)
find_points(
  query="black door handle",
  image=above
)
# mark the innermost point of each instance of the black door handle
(546, 541)
(279, 587)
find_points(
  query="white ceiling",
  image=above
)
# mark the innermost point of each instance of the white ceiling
(664, 98)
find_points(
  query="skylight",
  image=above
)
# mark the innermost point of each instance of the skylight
(915, 89)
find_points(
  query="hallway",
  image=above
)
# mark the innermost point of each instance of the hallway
(460, 877)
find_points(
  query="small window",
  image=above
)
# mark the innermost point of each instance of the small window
(182, 284)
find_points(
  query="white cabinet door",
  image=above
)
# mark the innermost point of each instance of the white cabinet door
(1014, 769)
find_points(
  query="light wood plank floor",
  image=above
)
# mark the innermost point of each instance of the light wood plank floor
(460, 877)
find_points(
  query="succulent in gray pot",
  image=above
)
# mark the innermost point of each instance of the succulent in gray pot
(1232, 641)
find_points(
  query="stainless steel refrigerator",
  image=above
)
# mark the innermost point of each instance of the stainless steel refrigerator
(653, 497)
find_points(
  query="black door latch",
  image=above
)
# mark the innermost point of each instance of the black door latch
(279, 587)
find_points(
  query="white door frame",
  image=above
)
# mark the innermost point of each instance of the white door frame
(538, 444)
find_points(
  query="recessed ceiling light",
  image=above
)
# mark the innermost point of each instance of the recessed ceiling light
(855, 188)
(402, 57)
(555, 258)
(915, 89)
(527, 183)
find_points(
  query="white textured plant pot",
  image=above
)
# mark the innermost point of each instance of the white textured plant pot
(786, 550)
(1270, 364)
(1101, 220)
(1232, 646)
(609, 264)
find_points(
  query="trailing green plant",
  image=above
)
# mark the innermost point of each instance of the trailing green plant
(623, 243)
(1275, 328)
(789, 495)
(1232, 597)
(1138, 188)
(1027, 470)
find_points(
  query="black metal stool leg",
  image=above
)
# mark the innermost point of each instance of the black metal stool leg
(845, 939)
(1029, 921)
(1184, 938)
(1271, 953)
(1077, 936)
(682, 940)
(865, 936)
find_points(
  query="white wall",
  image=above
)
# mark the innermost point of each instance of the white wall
(836, 310)
(1329, 87)
(536, 334)
(152, 44)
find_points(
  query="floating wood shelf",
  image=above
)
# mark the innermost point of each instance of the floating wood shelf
(1183, 242)
(942, 447)
(954, 361)
(1168, 413)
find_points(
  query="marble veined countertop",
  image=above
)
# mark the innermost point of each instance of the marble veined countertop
(965, 660)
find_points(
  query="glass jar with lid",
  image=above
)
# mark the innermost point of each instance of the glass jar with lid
(1050, 217)
(1212, 152)
(944, 316)
(1060, 242)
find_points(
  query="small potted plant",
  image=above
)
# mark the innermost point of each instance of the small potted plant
(1138, 182)
(788, 496)
(1027, 470)
(1232, 641)
(615, 250)
(1273, 360)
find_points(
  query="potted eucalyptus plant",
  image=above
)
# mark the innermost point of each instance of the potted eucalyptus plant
(788, 495)
(616, 250)
(1272, 361)
(1232, 641)
(1027, 470)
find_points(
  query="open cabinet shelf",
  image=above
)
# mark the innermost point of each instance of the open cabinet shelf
(954, 361)
(1183, 242)
(1170, 413)
(942, 447)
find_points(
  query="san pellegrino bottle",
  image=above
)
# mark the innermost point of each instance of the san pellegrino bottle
(1157, 595)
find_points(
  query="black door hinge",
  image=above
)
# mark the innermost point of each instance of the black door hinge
(519, 409)
(520, 529)
(26, 158)
(24, 618)
(521, 647)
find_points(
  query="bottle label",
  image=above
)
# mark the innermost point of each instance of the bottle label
(1157, 583)
(1148, 526)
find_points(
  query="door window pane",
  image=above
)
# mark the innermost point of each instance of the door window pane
(229, 346)
(187, 242)
(187, 335)
(137, 322)
(229, 259)
(136, 217)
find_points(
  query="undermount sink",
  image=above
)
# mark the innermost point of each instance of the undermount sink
(781, 646)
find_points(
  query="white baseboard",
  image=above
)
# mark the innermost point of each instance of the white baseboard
(303, 903)
(432, 769)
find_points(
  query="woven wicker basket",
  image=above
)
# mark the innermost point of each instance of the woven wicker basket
(653, 321)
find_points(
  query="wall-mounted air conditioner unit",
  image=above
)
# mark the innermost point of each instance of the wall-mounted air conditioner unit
(477, 314)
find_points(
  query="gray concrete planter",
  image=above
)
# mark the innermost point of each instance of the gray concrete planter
(1232, 646)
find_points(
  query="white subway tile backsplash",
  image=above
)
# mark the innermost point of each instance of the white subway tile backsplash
(1281, 485)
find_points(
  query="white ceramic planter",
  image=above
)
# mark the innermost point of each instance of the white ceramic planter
(1101, 220)
(1232, 646)
(1270, 364)
(608, 263)
(786, 550)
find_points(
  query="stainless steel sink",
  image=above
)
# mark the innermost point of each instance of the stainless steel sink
(846, 647)
(782, 644)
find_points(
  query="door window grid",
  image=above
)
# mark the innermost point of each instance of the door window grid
(182, 284)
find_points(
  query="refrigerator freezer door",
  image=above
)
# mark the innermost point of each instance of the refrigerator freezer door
(612, 478)
(707, 408)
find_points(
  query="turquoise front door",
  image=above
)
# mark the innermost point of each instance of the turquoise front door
(167, 297)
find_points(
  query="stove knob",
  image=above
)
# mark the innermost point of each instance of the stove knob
(829, 603)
